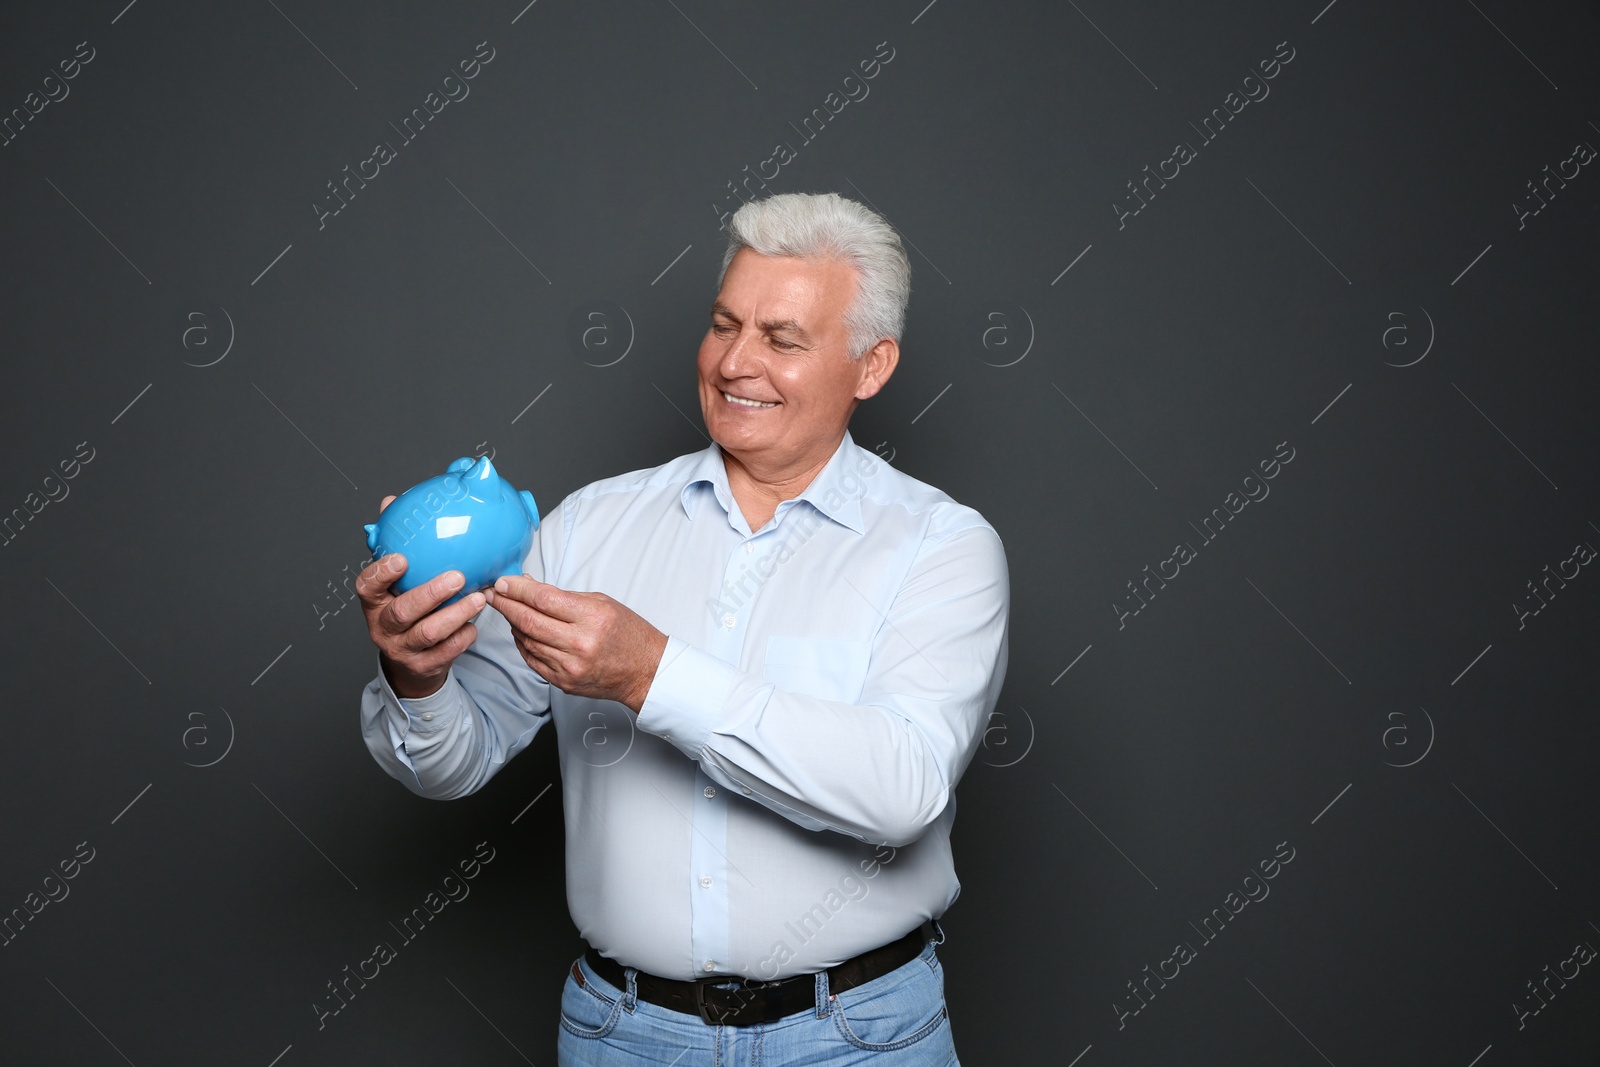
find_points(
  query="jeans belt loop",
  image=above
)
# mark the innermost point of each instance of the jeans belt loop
(824, 998)
(630, 994)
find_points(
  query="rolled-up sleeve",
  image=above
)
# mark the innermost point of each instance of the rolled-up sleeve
(881, 770)
(492, 704)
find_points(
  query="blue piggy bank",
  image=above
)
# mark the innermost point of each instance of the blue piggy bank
(468, 519)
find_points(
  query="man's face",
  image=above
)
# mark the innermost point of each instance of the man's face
(778, 335)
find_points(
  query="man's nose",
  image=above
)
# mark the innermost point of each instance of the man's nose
(739, 357)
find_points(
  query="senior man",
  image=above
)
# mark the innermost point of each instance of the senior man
(768, 663)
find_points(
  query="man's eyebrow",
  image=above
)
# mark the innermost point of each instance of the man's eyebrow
(789, 325)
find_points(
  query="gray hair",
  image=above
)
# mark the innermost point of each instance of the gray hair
(828, 226)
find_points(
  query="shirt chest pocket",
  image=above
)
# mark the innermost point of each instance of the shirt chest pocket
(830, 668)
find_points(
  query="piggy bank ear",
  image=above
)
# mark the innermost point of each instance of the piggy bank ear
(530, 507)
(480, 471)
(372, 536)
(462, 464)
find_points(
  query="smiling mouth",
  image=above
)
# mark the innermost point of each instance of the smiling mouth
(754, 405)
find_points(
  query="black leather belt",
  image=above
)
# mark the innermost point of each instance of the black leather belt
(745, 1001)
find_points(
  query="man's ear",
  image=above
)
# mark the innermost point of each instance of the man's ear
(879, 363)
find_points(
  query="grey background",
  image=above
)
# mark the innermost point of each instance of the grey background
(180, 605)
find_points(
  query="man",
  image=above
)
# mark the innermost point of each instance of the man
(785, 659)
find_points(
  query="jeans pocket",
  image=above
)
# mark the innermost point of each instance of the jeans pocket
(895, 1011)
(587, 1012)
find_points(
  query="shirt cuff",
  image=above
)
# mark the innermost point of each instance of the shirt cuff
(420, 715)
(688, 696)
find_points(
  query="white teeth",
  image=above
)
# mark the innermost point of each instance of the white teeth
(751, 403)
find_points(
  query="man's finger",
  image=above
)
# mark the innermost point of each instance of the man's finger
(548, 599)
(543, 659)
(386, 502)
(407, 608)
(439, 626)
(372, 584)
(530, 622)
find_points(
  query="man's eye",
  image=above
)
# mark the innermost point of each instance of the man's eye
(783, 344)
(721, 329)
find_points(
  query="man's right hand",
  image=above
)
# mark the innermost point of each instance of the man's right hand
(416, 644)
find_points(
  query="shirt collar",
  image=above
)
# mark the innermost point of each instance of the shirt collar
(830, 492)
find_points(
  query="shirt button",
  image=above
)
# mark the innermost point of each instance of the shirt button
(745, 789)
(710, 791)
(728, 621)
(705, 881)
(427, 716)
(748, 547)
(711, 965)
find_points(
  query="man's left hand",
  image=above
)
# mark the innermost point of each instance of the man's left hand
(585, 644)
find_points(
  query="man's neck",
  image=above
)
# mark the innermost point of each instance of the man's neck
(758, 490)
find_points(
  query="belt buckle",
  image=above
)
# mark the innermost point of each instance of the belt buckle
(716, 1010)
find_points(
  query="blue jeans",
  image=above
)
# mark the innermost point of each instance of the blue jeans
(897, 1020)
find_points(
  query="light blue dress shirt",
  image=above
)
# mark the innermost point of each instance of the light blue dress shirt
(783, 799)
